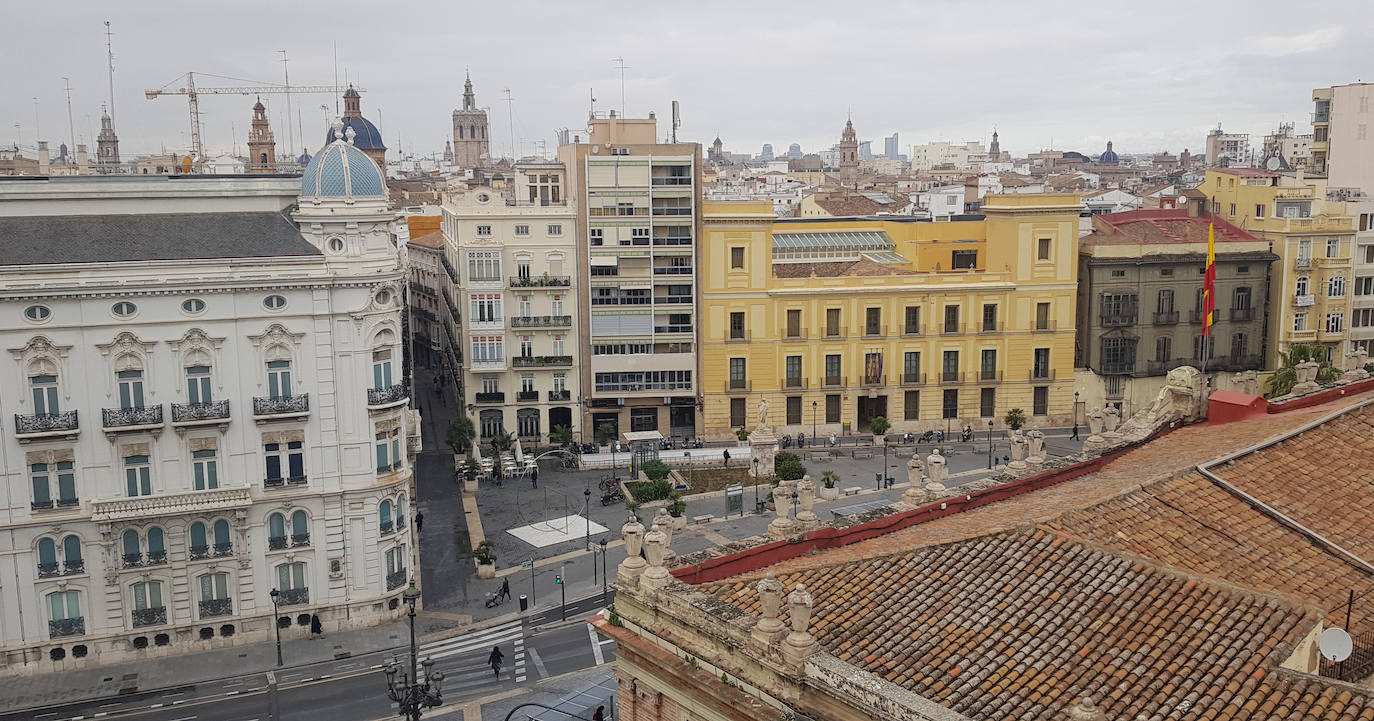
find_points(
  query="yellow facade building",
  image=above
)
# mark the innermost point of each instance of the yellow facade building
(1311, 282)
(836, 321)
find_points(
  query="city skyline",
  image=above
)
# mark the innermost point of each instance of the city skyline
(1160, 88)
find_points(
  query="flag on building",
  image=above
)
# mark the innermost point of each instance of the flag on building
(1209, 283)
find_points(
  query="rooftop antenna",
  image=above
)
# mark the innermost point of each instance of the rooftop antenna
(300, 127)
(71, 127)
(37, 126)
(234, 133)
(290, 138)
(621, 62)
(336, 77)
(109, 53)
(677, 121)
(591, 93)
(510, 118)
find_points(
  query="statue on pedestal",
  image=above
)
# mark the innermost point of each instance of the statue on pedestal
(627, 573)
(763, 413)
(1111, 418)
(656, 548)
(799, 643)
(1307, 377)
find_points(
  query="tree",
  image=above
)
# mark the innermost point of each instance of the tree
(676, 506)
(605, 433)
(459, 436)
(1015, 419)
(483, 552)
(1283, 380)
(879, 425)
(788, 467)
(656, 470)
(562, 435)
(502, 441)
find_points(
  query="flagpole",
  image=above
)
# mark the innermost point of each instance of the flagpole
(1208, 307)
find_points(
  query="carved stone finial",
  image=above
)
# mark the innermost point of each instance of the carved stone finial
(627, 573)
(799, 643)
(656, 548)
(663, 521)
(1035, 452)
(349, 134)
(337, 133)
(1086, 710)
(770, 598)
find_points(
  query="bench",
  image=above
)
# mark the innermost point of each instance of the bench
(851, 491)
(820, 457)
(702, 519)
(865, 453)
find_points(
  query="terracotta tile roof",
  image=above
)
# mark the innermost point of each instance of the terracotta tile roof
(835, 269)
(1160, 225)
(858, 205)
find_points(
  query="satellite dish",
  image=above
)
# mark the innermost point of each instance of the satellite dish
(1335, 645)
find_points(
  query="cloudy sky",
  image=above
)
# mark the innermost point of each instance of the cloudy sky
(1071, 74)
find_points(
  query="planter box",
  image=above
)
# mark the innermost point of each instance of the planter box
(829, 494)
(469, 486)
(679, 523)
(486, 570)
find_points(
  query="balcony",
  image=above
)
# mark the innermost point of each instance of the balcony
(672, 270)
(1302, 263)
(395, 579)
(951, 329)
(281, 407)
(276, 543)
(448, 268)
(74, 567)
(621, 300)
(833, 381)
(197, 414)
(911, 379)
(293, 596)
(216, 607)
(1042, 374)
(1242, 314)
(49, 570)
(224, 549)
(527, 397)
(1236, 363)
(541, 321)
(543, 281)
(285, 481)
(796, 333)
(116, 420)
(1117, 319)
(155, 616)
(1195, 317)
(875, 331)
(300, 540)
(388, 397)
(874, 381)
(738, 385)
(986, 376)
(1046, 327)
(170, 504)
(678, 328)
(672, 300)
(793, 382)
(489, 397)
(155, 558)
(562, 396)
(1304, 300)
(387, 528)
(671, 210)
(834, 331)
(541, 361)
(672, 180)
(1160, 367)
(911, 330)
(990, 328)
(672, 240)
(1166, 318)
(199, 552)
(131, 560)
(64, 627)
(1115, 368)
(949, 376)
(46, 424)
(736, 335)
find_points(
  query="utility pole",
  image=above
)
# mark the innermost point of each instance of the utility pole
(290, 139)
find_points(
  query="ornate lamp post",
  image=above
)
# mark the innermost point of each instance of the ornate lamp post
(1075, 408)
(989, 445)
(410, 692)
(276, 595)
(757, 509)
(603, 569)
(813, 421)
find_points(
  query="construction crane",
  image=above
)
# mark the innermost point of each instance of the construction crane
(192, 92)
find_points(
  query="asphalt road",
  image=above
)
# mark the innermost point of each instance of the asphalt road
(536, 647)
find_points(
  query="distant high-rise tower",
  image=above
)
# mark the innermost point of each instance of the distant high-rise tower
(471, 149)
(767, 153)
(794, 151)
(849, 154)
(262, 147)
(994, 150)
(866, 151)
(890, 147)
(107, 145)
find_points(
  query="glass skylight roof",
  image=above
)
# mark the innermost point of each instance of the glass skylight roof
(855, 241)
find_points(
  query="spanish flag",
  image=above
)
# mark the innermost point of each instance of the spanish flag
(1209, 283)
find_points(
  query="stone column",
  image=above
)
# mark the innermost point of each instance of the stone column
(656, 548)
(781, 527)
(806, 492)
(769, 627)
(627, 573)
(799, 643)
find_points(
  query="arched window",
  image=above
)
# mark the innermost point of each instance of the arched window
(43, 384)
(276, 531)
(384, 516)
(47, 558)
(133, 553)
(157, 549)
(200, 544)
(400, 513)
(472, 131)
(64, 611)
(71, 555)
(222, 545)
(300, 529)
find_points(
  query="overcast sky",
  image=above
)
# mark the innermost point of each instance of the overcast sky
(1150, 77)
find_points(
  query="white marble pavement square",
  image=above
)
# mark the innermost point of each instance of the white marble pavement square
(555, 530)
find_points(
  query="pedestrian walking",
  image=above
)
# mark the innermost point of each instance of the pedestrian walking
(534, 476)
(419, 521)
(1074, 437)
(494, 660)
(316, 628)
(600, 714)
(505, 588)
(726, 455)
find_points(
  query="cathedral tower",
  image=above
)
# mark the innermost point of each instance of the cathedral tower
(849, 154)
(262, 147)
(471, 149)
(107, 145)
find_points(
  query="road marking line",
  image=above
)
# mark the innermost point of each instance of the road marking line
(235, 683)
(538, 664)
(188, 718)
(519, 679)
(175, 693)
(596, 647)
(106, 705)
(307, 680)
(179, 701)
(156, 705)
(101, 714)
(606, 641)
(323, 676)
(50, 713)
(230, 693)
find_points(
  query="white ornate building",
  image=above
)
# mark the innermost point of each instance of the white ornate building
(206, 402)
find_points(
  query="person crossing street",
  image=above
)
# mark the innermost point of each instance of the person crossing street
(494, 660)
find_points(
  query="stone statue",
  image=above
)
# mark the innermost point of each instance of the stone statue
(656, 548)
(1036, 452)
(763, 413)
(937, 469)
(770, 598)
(1179, 400)
(1095, 420)
(663, 521)
(1111, 418)
(1019, 448)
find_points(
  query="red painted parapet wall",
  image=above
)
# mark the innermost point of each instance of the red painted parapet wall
(1323, 396)
(827, 537)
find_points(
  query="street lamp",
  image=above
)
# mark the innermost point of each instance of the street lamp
(603, 569)
(757, 509)
(1075, 412)
(813, 421)
(794, 501)
(587, 501)
(410, 693)
(275, 623)
(989, 445)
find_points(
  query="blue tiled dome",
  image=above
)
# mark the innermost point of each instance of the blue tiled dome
(365, 134)
(341, 170)
(1109, 156)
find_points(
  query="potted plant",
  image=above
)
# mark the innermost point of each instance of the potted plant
(879, 427)
(486, 560)
(470, 476)
(605, 433)
(1015, 419)
(742, 435)
(677, 508)
(562, 435)
(830, 489)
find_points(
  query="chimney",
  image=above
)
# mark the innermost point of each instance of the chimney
(83, 161)
(44, 158)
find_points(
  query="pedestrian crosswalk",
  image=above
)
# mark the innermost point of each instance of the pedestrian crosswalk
(464, 659)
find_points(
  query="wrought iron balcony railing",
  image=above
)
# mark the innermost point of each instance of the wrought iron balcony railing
(127, 417)
(562, 395)
(63, 627)
(388, 395)
(199, 552)
(281, 405)
(395, 579)
(546, 281)
(192, 412)
(490, 397)
(74, 567)
(527, 396)
(155, 558)
(1167, 318)
(45, 423)
(387, 528)
(913, 378)
(540, 361)
(300, 539)
(216, 607)
(294, 596)
(132, 560)
(540, 321)
(154, 616)
(224, 549)
(49, 570)
(276, 543)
